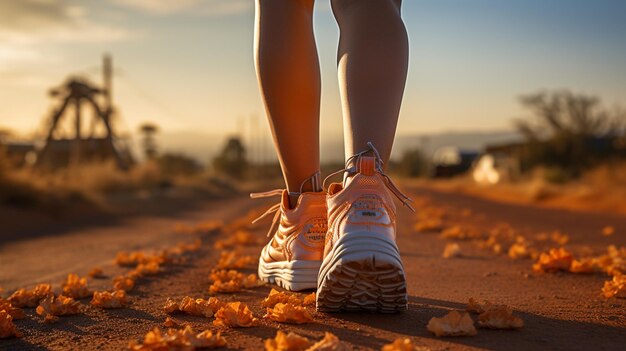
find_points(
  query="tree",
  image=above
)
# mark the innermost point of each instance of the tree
(568, 130)
(413, 163)
(565, 113)
(232, 160)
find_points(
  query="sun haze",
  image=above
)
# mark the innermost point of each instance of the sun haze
(188, 66)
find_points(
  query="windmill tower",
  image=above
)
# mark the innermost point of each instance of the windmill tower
(70, 141)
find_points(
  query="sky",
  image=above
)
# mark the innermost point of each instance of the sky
(187, 65)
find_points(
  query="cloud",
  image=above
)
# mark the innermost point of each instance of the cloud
(30, 30)
(10, 53)
(197, 7)
(35, 21)
(34, 15)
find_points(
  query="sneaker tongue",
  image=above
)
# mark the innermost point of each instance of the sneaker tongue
(366, 165)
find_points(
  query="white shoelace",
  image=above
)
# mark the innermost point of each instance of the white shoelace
(406, 201)
(315, 183)
(274, 209)
(314, 179)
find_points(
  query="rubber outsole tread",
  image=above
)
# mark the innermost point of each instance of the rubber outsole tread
(367, 284)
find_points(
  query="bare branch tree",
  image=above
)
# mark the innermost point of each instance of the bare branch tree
(563, 112)
(568, 130)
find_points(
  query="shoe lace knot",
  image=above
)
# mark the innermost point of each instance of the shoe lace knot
(351, 168)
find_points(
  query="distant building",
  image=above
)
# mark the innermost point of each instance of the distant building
(61, 152)
(524, 152)
(450, 161)
(18, 154)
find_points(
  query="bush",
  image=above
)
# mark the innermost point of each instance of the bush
(557, 175)
(178, 165)
(413, 163)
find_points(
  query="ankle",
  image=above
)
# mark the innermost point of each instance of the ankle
(347, 178)
(311, 184)
(293, 199)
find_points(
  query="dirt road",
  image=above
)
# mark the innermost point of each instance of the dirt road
(560, 311)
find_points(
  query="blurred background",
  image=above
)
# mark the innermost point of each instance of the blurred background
(110, 102)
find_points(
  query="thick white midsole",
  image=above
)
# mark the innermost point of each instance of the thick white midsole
(358, 246)
(292, 275)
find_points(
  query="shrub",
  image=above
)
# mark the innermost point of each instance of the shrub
(413, 163)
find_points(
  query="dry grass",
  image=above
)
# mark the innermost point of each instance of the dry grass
(92, 183)
(602, 189)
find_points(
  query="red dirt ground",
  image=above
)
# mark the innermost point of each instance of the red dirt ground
(561, 311)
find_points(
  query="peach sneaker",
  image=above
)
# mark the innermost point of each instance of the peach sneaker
(362, 269)
(293, 255)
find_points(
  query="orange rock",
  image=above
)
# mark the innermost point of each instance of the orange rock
(195, 307)
(451, 250)
(96, 272)
(452, 324)
(608, 230)
(232, 260)
(553, 261)
(30, 298)
(105, 299)
(329, 342)
(403, 344)
(53, 306)
(500, 317)
(287, 342)
(186, 339)
(615, 287)
(122, 282)
(229, 281)
(15, 312)
(76, 287)
(234, 314)
(309, 300)
(7, 328)
(276, 296)
(288, 313)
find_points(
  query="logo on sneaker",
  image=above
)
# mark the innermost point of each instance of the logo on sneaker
(314, 233)
(368, 209)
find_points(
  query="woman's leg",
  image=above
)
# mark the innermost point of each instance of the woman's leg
(372, 63)
(289, 76)
(362, 268)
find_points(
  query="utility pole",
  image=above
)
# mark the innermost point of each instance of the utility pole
(107, 71)
(75, 158)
